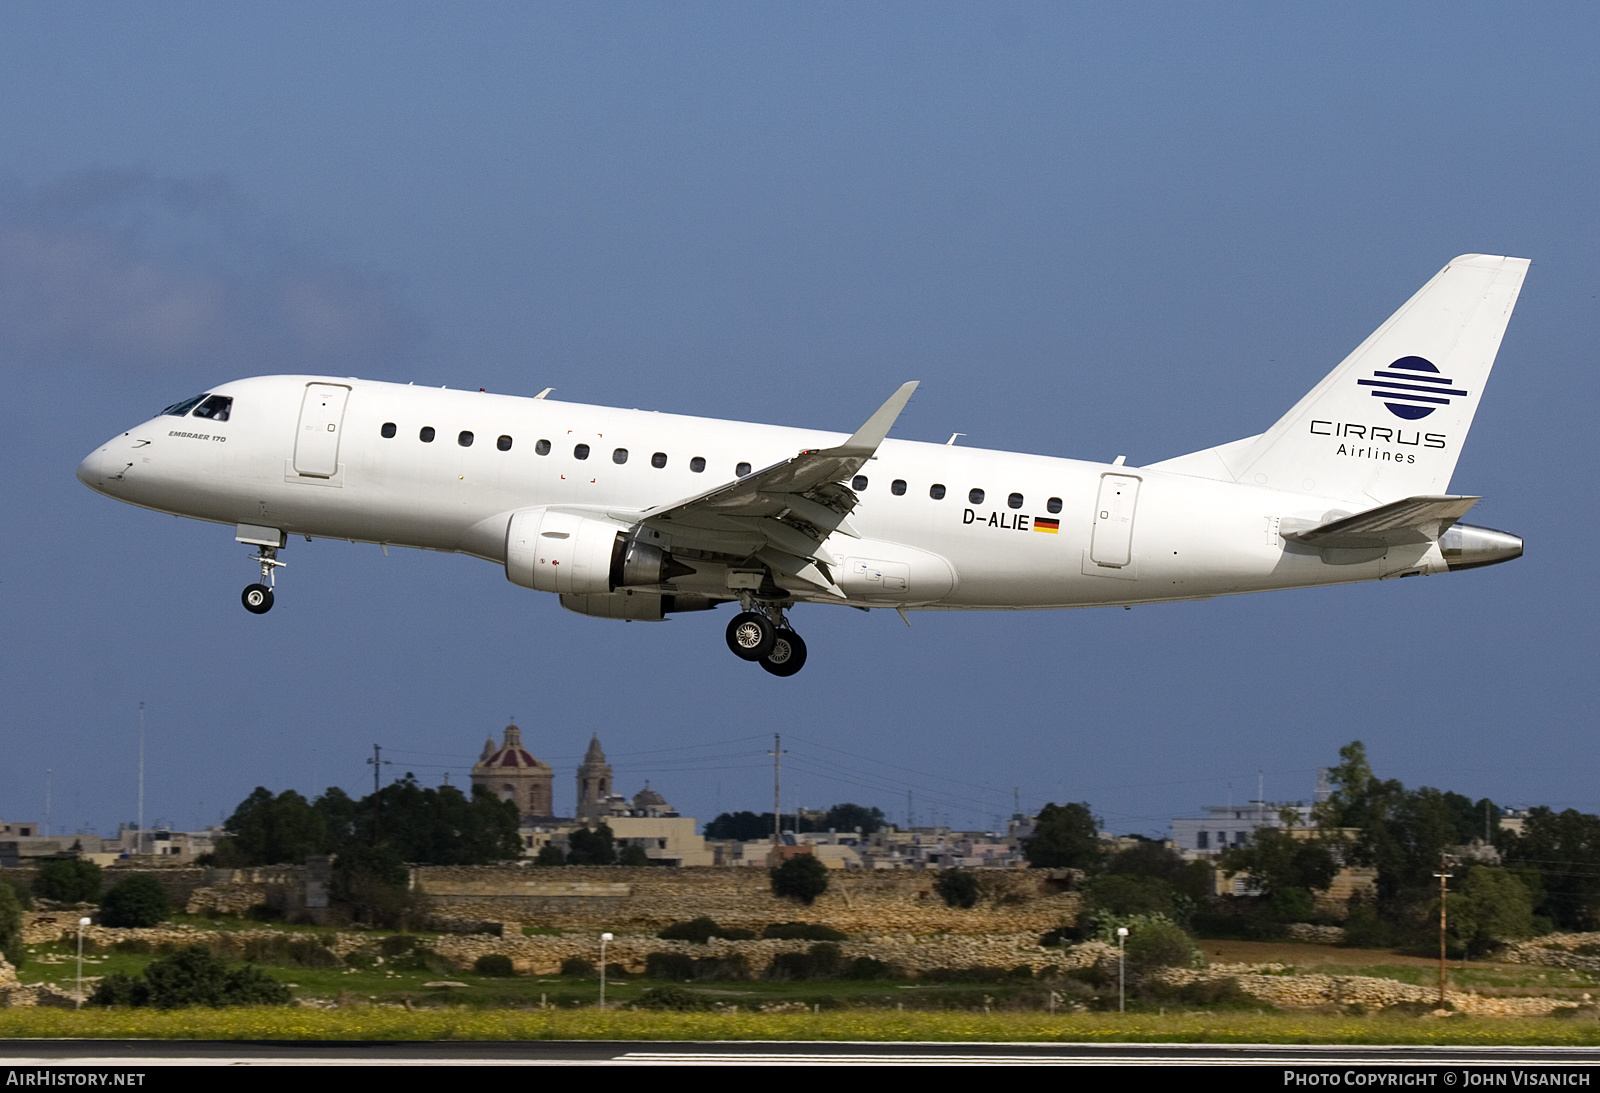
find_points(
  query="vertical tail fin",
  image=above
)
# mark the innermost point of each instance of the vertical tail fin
(1390, 421)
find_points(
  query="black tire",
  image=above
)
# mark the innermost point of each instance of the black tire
(750, 635)
(788, 654)
(257, 599)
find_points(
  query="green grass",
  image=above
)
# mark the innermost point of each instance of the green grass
(372, 1023)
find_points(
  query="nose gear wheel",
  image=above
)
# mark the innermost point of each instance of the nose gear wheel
(257, 599)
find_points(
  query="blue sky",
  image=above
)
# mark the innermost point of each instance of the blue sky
(1090, 231)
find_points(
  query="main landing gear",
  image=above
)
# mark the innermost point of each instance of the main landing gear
(761, 633)
(257, 598)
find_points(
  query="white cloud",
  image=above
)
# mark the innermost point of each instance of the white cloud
(129, 270)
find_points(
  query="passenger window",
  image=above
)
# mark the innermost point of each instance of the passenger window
(658, 460)
(464, 438)
(581, 452)
(541, 447)
(216, 408)
(975, 497)
(697, 464)
(741, 470)
(619, 456)
(504, 444)
(1014, 501)
(426, 435)
(1054, 504)
(179, 409)
(936, 491)
(898, 487)
(387, 430)
(859, 482)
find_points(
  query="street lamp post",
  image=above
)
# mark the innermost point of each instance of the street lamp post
(1122, 969)
(603, 939)
(82, 922)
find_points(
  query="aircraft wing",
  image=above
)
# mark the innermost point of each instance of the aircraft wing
(1409, 520)
(781, 514)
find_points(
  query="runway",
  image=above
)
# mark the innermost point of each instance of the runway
(122, 1055)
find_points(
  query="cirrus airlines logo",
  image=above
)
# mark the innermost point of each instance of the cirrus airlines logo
(1411, 388)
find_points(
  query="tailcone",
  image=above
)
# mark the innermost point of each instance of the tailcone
(1467, 547)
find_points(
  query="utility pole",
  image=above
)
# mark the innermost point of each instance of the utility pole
(1443, 876)
(139, 839)
(377, 762)
(777, 771)
(47, 774)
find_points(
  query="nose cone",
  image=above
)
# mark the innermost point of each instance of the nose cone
(1467, 547)
(97, 470)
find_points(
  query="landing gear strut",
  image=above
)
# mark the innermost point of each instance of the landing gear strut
(257, 598)
(761, 633)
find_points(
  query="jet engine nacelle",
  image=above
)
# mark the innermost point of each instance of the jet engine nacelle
(581, 555)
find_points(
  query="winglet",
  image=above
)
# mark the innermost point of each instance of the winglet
(869, 436)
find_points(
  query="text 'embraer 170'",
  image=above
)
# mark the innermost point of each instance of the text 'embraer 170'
(635, 515)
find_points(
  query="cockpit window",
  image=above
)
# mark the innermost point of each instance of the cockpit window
(217, 408)
(178, 409)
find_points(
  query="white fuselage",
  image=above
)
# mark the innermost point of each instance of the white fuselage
(1125, 535)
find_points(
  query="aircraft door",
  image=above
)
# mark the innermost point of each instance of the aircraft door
(1111, 542)
(316, 445)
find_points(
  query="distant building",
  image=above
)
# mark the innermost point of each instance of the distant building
(166, 846)
(511, 773)
(1225, 826)
(594, 783)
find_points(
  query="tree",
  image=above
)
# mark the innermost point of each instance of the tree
(957, 887)
(192, 977)
(11, 926)
(550, 854)
(749, 826)
(440, 826)
(1564, 847)
(138, 900)
(1287, 869)
(802, 878)
(849, 817)
(633, 855)
(740, 826)
(268, 830)
(1493, 906)
(1148, 858)
(595, 846)
(1065, 837)
(1122, 894)
(68, 880)
(1157, 943)
(373, 882)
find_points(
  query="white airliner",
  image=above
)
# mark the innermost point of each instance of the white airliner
(630, 514)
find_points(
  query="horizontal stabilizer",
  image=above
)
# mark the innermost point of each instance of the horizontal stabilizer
(1410, 520)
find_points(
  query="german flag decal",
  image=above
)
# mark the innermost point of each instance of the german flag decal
(1047, 525)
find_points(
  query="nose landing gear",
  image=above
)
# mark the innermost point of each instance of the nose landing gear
(257, 598)
(761, 633)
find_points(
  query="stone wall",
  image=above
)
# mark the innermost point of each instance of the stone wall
(914, 955)
(1556, 950)
(1266, 982)
(646, 899)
